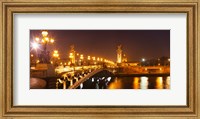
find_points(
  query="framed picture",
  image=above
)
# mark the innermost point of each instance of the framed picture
(97, 59)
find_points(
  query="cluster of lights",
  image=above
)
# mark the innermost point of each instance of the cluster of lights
(55, 54)
(89, 58)
(109, 62)
(101, 60)
(35, 45)
(143, 59)
(65, 63)
(71, 55)
(81, 57)
(44, 40)
(93, 58)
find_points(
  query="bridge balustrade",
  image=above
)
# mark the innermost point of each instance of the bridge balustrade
(77, 79)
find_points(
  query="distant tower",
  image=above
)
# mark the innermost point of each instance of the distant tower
(72, 54)
(119, 54)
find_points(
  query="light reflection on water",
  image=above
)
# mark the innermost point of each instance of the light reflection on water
(140, 83)
(168, 83)
(136, 83)
(117, 84)
(159, 83)
(144, 82)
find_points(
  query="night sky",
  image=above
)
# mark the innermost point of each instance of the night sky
(136, 44)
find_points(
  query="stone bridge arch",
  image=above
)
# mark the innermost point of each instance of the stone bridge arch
(96, 73)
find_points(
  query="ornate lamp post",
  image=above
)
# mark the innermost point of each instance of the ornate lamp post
(94, 60)
(55, 56)
(88, 60)
(44, 41)
(72, 56)
(81, 59)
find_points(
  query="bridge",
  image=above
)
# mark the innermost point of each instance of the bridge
(82, 76)
(96, 73)
(77, 77)
(73, 80)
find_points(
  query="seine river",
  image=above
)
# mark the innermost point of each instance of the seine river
(140, 83)
(127, 83)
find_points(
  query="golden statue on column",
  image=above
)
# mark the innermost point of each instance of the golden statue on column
(72, 54)
(119, 54)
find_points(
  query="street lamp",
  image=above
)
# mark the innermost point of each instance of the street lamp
(143, 62)
(71, 56)
(81, 59)
(143, 59)
(88, 58)
(94, 58)
(35, 45)
(45, 40)
(44, 33)
(55, 55)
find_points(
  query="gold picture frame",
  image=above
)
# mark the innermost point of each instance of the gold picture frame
(9, 7)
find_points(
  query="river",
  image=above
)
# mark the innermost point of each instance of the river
(127, 83)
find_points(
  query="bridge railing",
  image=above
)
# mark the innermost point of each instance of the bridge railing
(70, 77)
(75, 79)
(61, 69)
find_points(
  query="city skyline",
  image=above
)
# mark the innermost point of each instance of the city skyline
(136, 44)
